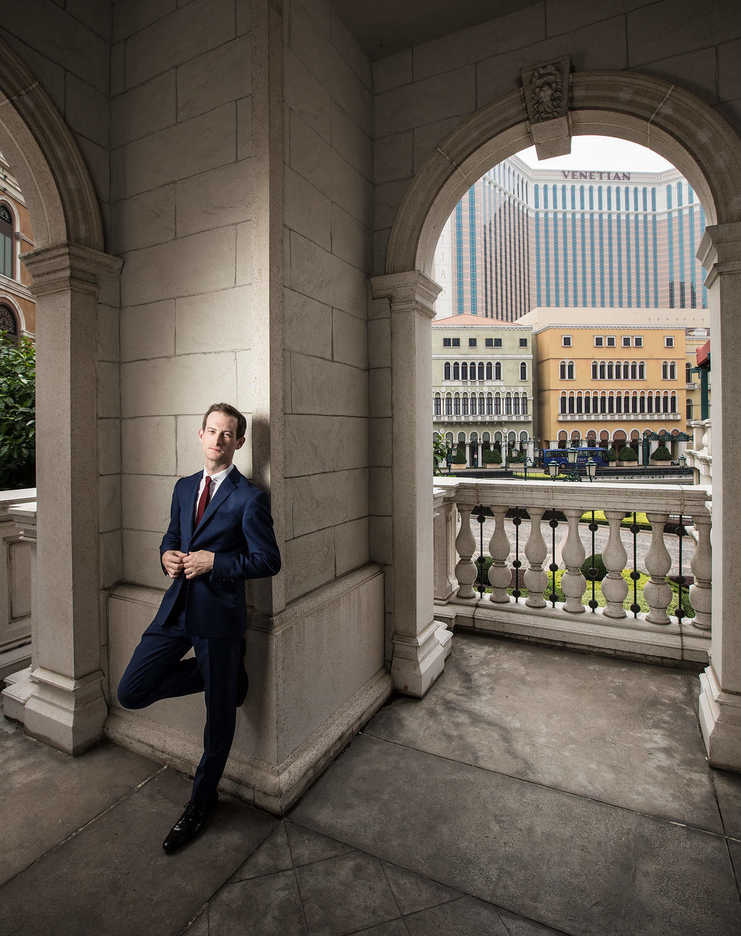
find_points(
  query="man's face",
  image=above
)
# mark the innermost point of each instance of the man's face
(219, 440)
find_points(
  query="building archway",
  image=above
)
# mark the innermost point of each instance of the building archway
(707, 151)
(64, 703)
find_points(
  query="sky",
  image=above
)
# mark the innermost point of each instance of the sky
(607, 153)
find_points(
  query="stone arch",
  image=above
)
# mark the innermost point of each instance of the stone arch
(64, 703)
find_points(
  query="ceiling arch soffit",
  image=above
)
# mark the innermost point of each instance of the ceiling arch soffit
(46, 160)
(641, 108)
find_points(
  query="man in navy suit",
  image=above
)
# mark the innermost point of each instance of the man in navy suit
(220, 534)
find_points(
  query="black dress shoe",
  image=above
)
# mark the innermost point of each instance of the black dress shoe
(187, 827)
(242, 680)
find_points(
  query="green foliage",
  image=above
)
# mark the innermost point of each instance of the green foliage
(600, 570)
(611, 454)
(17, 413)
(459, 456)
(601, 519)
(439, 454)
(516, 458)
(492, 457)
(662, 453)
(627, 454)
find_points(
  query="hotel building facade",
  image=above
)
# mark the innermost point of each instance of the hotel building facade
(17, 305)
(523, 238)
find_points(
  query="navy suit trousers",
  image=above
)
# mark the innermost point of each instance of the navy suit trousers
(157, 671)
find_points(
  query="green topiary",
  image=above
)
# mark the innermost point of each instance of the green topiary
(492, 457)
(459, 458)
(600, 571)
(611, 454)
(627, 454)
(516, 458)
(662, 453)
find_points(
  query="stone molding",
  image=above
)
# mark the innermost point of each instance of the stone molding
(46, 160)
(720, 250)
(720, 721)
(633, 106)
(409, 291)
(69, 266)
(546, 91)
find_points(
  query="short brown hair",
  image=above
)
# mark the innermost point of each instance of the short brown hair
(230, 411)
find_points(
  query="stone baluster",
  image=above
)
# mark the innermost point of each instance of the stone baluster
(702, 570)
(614, 556)
(444, 549)
(536, 580)
(573, 582)
(500, 575)
(657, 591)
(465, 544)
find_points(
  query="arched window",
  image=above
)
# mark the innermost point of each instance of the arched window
(8, 320)
(619, 403)
(673, 403)
(610, 371)
(618, 370)
(456, 405)
(603, 404)
(508, 404)
(611, 403)
(562, 370)
(587, 402)
(498, 370)
(642, 403)
(650, 402)
(523, 370)
(481, 370)
(664, 370)
(642, 370)
(474, 405)
(465, 404)
(563, 403)
(688, 410)
(601, 370)
(481, 404)
(634, 371)
(579, 403)
(464, 371)
(570, 370)
(489, 405)
(488, 370)
(497, 405)
(446, 371)
(571, 403)
(688, 372)
(448, 405)
(672, 370)
(523, 407)
(6, 241)
(516, 404)
(594, 370)
(456, 371)
(438, 405)
(634, 403)
(665, 403)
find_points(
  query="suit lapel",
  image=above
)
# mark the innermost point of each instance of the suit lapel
(225, 489)
(190, 512)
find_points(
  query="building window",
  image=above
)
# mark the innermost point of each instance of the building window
(610, 371)
(438, 406)
(508, 404)
(464, 371)
(456, 371)
(566, 341)
(523, 342)
(626, 341)
(638, 341)
(688, 372)
(523, 370)
(457, 405)
(448, 406)
(672, 370)
(599, 341)
(642, 370)
(471, 342)
(489, 342)
(570, 370)
(673, 403)
(571, 403)
(524, 405)
(446, 370)
(668, 341)
(6, 241)
(562, 370)
(474, 407)
(498, 370)
(488, 370)
(594, 370)
(601, 370)
(497, 342)
(489, 405)
(455, 342)
(610, 341)
(516, 403)
(497, 405)
(8, 322)
(446, 342)
(480, 370)
(688, 409)
(618, 370)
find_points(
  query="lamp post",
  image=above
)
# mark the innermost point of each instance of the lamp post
(591, 469)
(572, 472)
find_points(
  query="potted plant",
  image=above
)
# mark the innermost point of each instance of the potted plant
(492, 458)
(611, 455)
(662, 457)
(626, 456)
(516, 458)
(459, 456)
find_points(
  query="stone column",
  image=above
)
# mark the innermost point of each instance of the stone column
(720, 696)
(67, 707)
(418, 639)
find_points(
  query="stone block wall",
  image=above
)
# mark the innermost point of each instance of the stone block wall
(327, 199)
(421, 94)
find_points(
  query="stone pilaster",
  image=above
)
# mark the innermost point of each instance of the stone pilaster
(720, 697)
(67, 707)
(418, 640)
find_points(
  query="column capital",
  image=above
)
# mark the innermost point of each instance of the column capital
(720, 250)
(407, 291)
(25, 517)
(64, 266)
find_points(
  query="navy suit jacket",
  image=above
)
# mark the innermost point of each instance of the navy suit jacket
(238, 529)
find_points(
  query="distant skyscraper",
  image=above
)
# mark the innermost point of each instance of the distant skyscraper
(522, 238)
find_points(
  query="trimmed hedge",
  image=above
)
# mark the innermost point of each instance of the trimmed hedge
(662, 453)
(627, 454)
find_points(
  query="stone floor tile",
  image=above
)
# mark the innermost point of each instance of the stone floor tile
(262, 906)
(345, 894)
(47, 795)
(273, 855)
(392, 928)
(622, 732)
(307, 846)
(114, 878)
(570, 862)
(466, 916)
(728, 788)
(519, 926)
(735, 850)
(414, 892)
(199, 926)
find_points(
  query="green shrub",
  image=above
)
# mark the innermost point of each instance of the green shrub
(627, 454)
(600, 571)
(459, 456)
(611, 454)
(492, 457)
(17, 413)
(516, 458)
(662, 453)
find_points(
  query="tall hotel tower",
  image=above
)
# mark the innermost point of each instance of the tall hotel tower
(523, 238)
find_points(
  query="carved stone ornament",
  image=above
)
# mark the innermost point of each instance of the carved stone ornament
(546, 90)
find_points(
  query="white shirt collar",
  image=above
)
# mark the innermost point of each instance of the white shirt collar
(219, 476)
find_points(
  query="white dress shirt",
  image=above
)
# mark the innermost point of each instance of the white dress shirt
(216, 480)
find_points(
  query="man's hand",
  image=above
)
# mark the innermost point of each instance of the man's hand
(172, 560)
(197, 563)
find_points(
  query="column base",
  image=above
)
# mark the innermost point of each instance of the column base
(720, 721)
(418, 661)
(18, 689)
(68, 714)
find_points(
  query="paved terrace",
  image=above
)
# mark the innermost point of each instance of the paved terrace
(533, 791)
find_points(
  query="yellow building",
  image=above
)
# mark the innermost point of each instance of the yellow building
(694, 338)
(17, 306)
(611, 377)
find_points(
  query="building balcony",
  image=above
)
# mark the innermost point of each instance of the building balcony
(487, 418)
(619, 417)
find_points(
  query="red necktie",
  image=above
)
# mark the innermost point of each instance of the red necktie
(203, 502)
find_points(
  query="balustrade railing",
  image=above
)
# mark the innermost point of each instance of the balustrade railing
(15, 585)
(651, 601)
